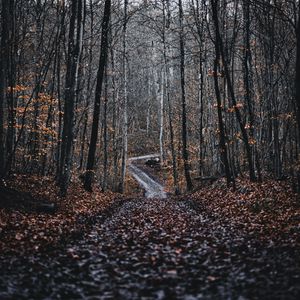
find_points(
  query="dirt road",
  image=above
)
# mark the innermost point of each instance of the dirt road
(156, 249)
(152, 188)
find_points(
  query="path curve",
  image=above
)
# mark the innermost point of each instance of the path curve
(152, 188)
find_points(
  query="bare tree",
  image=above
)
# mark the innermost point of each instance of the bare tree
(185, 153)
(98, 92)
(73, 60)
(125, 100)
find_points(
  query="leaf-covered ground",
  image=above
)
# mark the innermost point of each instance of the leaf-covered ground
(213, 244)
(24, 230)
(267, 211)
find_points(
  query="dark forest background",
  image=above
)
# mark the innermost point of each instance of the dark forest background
(213, 86)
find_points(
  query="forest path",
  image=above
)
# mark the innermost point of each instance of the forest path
(152, 188)
(153, 249)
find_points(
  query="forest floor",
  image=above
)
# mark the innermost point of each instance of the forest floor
(211, 244)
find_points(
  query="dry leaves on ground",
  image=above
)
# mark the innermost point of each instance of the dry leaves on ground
(25, 230)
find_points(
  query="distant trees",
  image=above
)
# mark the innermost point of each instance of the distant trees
(211, 85)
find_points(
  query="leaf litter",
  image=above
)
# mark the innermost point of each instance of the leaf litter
(212, 244)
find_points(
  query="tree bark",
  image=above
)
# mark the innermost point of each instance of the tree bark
(10, 84)
(161, 117)
(222, 138)
(125, 104)
(170, 110)
(4, 53)
(105, 134)
(185, 154)
(297, 78)
(98, 92)
(74, 54)
(248, 83)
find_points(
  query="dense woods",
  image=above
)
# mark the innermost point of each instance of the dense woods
(149, 149)
(213, 86)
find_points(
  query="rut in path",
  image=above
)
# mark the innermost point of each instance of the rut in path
(154, 249)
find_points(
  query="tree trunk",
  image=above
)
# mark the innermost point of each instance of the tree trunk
(11, 80)
(297, 89)
(125, 113)
(297, 79)
(149, 96)
(185, 153)
(74, 54)
(96, 115)
(4, 53)
(222, 139)
(170, 114)
(105, 135)
(248, 83)
(161, 118)
(114, 122)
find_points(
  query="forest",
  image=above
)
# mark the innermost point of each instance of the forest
(164, 135)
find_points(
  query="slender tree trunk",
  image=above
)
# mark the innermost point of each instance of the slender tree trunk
(3, 83)
(105, 135)
(185, 153)
(11, 81)
(35, 136)
(88, 88)
(149, 95)
(199, 22)
(98, 92)
(248, 83)
(125, 113)
(161, 117)
(201, 108)
(61, 13)
(170, 111)
(114, 121)
(223, 147)
(297, 79)
(74, 54)
(297, 89)
(222, 139)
